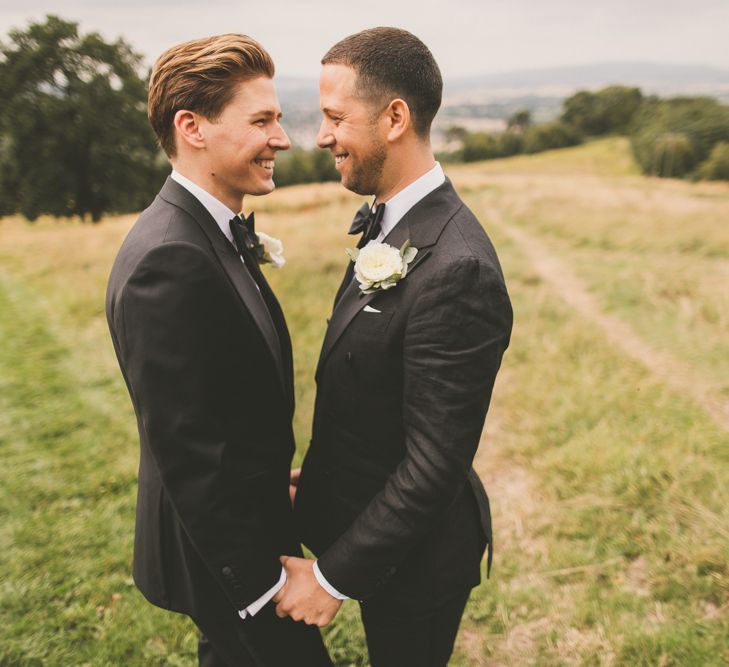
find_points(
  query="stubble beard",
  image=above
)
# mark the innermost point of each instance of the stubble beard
(365, 175)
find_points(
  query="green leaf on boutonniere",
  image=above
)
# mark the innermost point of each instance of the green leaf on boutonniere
(407, 252)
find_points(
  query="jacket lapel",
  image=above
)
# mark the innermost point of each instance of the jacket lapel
(422, 225)
(173, 193)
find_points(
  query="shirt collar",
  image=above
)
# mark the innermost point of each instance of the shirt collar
(396, 207)
(220, 212)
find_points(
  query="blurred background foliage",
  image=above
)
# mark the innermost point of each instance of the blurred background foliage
(681, 137)
(75, 140)
(74, 136)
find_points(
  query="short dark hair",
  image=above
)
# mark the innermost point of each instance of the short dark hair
(391, 62)
(201, 75)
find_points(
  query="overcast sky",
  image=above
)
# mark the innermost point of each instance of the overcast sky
(466, 36)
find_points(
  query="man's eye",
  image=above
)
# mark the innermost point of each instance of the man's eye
(260, 121)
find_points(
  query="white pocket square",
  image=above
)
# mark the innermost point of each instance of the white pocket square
(370, 309)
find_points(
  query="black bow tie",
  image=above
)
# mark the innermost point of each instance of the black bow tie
(244, 234)
(367, 221)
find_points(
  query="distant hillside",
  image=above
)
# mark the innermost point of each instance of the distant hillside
(664, 79)
(484, 102)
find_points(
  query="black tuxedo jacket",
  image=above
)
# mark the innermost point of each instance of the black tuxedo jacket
(388, 499)
(207, 360)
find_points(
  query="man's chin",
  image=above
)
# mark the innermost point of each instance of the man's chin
(357, 187)
(262, 189)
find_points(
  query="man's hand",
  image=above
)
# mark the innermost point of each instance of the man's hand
(294, 484)
(302, 597)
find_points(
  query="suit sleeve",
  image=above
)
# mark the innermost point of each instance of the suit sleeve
(456, 334)
(171, 315)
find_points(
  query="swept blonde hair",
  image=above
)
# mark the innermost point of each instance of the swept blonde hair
(201, 76)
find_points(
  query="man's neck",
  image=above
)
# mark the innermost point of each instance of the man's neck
(408, 169)
(201, 177)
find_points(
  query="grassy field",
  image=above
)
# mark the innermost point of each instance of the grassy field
(606, 451)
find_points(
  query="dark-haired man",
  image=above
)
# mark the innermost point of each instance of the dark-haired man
(204, 350)
(387, 498)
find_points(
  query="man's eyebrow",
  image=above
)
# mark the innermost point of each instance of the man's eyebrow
(270, 113)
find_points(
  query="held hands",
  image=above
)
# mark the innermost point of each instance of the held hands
(302, 598)
(294, 484)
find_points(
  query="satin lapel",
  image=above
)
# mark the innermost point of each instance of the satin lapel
(421, 225)
(236, 271)
(253, 301)
(348, 306)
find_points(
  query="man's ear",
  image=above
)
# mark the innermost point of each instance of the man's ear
(187, 128)
(398, 119)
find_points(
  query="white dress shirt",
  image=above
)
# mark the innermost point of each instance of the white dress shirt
(220, 212)
(398, 205)
(395, 209)
(222, 215)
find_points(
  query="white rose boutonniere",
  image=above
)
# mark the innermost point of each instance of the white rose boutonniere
(379, 266)
(270, 250)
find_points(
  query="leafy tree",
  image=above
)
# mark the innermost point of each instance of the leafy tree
(520, 120)
(455, 133)
(75, 137)
(618, 105)
(582, 111)
(609, 110)
(672, 137)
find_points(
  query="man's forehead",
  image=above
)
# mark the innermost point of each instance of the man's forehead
(258, 96)
(337, 74)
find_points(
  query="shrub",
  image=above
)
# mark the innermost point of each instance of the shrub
(716, 167)
(671, 137)
(546, 136)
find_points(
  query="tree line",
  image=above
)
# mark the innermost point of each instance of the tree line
(75, 140)
(74, 135)
(681, 137)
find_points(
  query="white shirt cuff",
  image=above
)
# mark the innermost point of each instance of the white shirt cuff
(254, 607)
(326, 585)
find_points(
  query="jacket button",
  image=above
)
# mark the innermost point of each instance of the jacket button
(227, 571)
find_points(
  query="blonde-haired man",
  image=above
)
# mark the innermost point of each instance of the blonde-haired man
(206, 356)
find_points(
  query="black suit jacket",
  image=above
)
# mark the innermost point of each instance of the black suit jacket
(207, 360)
(388, 499)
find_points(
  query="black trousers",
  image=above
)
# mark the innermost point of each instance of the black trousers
(398, 636)
(263, 640)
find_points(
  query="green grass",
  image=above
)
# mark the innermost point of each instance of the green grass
(623, 521)
(610, 490)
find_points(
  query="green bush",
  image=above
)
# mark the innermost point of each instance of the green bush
(479, 146)
(547, 136)
(673, 156)
(305, 166)
(716, 167)
(672, 137)
(609, 110)
(509, 143)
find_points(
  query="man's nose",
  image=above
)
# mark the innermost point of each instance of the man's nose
(324, 138)
(280, 140)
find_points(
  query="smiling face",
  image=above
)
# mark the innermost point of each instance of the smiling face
(241, 144)
(351, 131)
